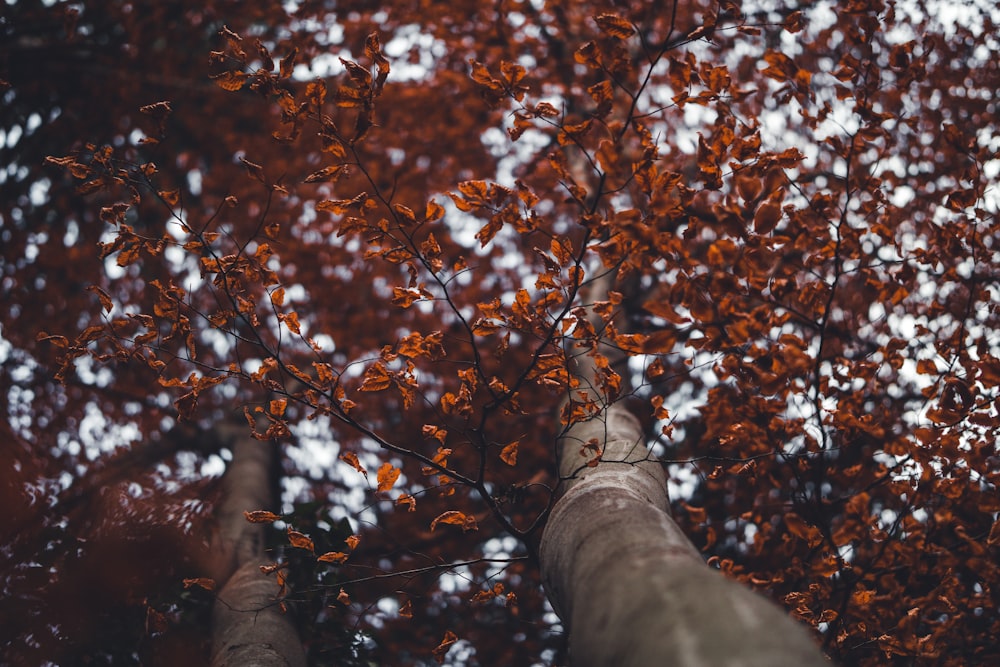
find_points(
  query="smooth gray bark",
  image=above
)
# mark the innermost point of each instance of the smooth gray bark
(626, 581)
(248, 627)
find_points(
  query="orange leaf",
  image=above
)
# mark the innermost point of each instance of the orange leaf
(332, 557)
(277, 407)
(442, 649)
(433, 211)
(614, 25)
(522, 301)
(406, 611)
(475, 191)
(799, 528)
(489, 230)
(58, 341)
(351, 459)
(767, 216)
(376, 378)
(361, 76)
(561, 249)
(509, 454)
(106, 302)
(204, 582)
(156, 621)
(343, 598)
(352, 542)
(826, 566)
(128, 255)
(278, 296)
(387, 476)
(254, 169)
(288, 63)
(331, 173)
(409, 501)
(862, 597)
(171, 197)
(261, 516)
(291, 321)
(405, 212)
(404, 297)
(794, 22)
(482, 76)
(456, 518)
(300, 541)
(436, 432)
(230, 80)
(316, 93)
(994, 537)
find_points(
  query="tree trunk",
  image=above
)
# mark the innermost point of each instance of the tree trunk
(626, 581)
(248, 627)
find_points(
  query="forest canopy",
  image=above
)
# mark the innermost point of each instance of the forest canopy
(380, 238)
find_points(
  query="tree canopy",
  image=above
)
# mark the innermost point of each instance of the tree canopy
(370, 233)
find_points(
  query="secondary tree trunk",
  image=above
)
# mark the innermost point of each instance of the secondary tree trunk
(626, 581)
(248, 628)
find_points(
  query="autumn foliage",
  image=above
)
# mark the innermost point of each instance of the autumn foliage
(370, 233)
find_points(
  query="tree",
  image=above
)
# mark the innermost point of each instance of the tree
(377, 236)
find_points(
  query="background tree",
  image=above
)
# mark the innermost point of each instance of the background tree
(793, 199)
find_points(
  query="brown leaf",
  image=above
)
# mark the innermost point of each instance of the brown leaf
(299, 540)
(614, 25)
(288, 63)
